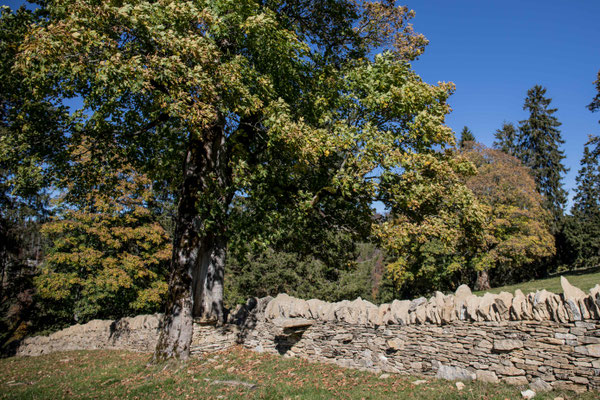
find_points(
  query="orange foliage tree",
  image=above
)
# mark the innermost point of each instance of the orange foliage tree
(517, 231)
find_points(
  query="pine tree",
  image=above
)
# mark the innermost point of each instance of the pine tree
(583, 228)
(593, 107)
(506, 139)
(538, 146)
(465, 136)
(587, 193)
(595, 104)
(583, 231)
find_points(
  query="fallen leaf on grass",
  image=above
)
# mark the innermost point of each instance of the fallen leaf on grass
(232, 383)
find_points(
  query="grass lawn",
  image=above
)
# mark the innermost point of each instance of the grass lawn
(583, 279)
(123, 375)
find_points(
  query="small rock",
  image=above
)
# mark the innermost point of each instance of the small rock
(503, 303)
(592, 350)
(485, 309)
(572, 294)
(486, 376)
(384, 376)
(454, 373)
(343, 337)
(293, 323)
(460, 301)
(463, 292)
(384, 316)
(460, 385)
(399, 312)
(395, 344)
(516, 380)
(540, 305)
(507, 344)
(579, 379)
(570, 290)
(520, 308)
(472, 305)
(528, 394)
(415, 304)
(419, 382)
(540, 385)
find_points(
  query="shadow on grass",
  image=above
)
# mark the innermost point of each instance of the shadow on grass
(575, 272)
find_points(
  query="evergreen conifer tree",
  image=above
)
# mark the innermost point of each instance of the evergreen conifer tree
(538, 146)
(587, 193)
(583, 227)
(595, 104)
(583, 231)
(506, 139)
(465, 136)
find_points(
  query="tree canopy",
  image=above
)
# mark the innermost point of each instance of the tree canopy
(517, 227)
(435, 224)
(292, 111)
(108, 252)
(481, 223)
(30, 136)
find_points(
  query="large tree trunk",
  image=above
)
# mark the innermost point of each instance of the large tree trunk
(208, 286)
(197, 263)
(483, 280)
(208, 277)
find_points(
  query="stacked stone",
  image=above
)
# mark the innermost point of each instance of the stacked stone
(210, 338)
(545, 354)
(573, 305)
(139, 333)
(542, 339)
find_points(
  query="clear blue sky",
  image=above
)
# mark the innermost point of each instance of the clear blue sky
(494, 51)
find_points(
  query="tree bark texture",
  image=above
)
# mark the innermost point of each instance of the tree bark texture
(483, 280)
(198, 260)
(208, 281)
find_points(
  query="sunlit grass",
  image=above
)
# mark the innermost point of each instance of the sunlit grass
(584, 279)
(124, 375)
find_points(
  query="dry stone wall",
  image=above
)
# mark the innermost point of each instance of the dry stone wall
(134, 334)
(543, 339)
(515, 352)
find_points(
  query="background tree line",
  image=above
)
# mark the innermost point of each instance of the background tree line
(94, 202)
